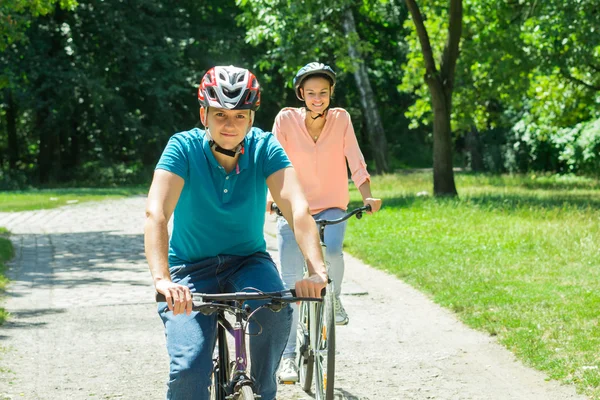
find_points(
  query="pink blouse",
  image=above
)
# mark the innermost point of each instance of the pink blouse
(321, 165)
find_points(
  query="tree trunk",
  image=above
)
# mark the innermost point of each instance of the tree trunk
(74, 148)
(443, 174)
(375, 129)
(49, 157)
(475, 149)
(46, 150)
(441, 85)
(11, 128)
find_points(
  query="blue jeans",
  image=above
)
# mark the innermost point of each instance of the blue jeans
(191, 339)
(292, 261)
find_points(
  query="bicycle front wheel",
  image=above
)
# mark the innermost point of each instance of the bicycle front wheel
(246, 393)
(220, 375)
(325, 350)
(305, 357)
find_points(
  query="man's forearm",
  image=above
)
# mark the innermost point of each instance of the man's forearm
(307, 237)
(156, 245)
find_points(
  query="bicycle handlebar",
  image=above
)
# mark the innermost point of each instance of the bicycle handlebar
(276, 209)
(357, 211)
(285, 296)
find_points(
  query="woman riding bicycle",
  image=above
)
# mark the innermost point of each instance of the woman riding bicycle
(318, 140)
(214, 183)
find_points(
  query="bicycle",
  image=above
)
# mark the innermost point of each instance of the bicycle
(231, 378)
(315, 339)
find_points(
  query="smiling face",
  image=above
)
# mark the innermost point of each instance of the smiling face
(316, 92)
(227, 127)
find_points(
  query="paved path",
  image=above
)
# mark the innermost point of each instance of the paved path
(84, 326)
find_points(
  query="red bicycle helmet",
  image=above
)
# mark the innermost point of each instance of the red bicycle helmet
(229, 87)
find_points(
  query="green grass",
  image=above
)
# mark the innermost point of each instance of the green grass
(6, 253)
(51, 198)
(515, 256)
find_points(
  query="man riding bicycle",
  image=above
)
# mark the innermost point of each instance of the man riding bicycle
(214, 183)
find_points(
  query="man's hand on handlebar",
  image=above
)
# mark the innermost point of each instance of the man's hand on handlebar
(311, 286)
(178, 297)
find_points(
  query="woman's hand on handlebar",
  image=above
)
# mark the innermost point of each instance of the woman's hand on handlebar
(179, 297)
(374, 203)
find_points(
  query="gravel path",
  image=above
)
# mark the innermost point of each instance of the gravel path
(84, 325)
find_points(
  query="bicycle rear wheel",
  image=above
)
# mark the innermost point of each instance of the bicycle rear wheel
(304, 356)
(220, 375)
(325, 350)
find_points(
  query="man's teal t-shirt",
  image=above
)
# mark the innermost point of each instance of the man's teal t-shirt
(218, 212)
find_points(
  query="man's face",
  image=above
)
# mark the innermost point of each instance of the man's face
(227, 127)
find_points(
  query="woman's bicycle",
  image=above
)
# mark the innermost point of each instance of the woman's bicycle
(231, 378)
(315, 339)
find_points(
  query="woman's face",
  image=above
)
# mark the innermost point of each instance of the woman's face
(317, 94)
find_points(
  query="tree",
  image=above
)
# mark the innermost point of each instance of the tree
(441, 84)
(367, 98)
(16, 16)
(522, 64)
(93, 94)
(296, 33)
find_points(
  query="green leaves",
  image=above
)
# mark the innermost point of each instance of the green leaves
(16, 16)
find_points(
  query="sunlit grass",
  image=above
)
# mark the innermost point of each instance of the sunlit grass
(51, 198)
(516, 256)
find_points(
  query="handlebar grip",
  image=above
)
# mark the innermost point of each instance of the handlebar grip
(276, 209)
(323, 292)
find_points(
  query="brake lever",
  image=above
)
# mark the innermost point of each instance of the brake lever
(207, 309)
(276, 306)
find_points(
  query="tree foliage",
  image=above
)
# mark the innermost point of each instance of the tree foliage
(524, 63)
(98, 89)
(295, 33)
(91, 90)
(17, 15)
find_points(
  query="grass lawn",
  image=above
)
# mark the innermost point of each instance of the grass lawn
(516, 256)
(51, 198)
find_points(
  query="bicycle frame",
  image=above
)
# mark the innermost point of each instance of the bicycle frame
(239, 373)
(236, 381)
(233, 378)
(316, 327)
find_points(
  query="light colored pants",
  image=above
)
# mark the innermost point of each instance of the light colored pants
(191, 339)
(292, 261)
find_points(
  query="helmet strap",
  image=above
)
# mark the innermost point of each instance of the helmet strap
(231, 153)
(321, 115)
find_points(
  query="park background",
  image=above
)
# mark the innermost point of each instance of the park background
(501, 100)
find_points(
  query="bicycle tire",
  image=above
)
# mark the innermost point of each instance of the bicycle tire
(305, 358)
(325, 351)
(246, 393)
(221, 368)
